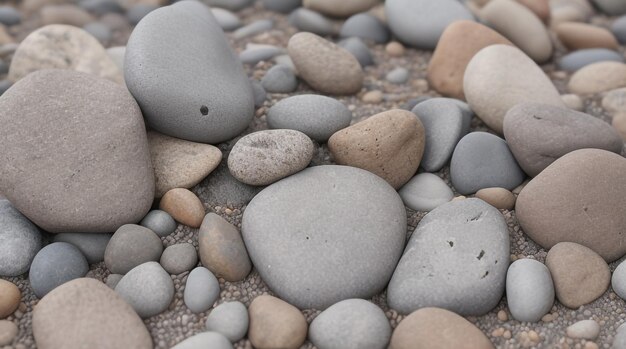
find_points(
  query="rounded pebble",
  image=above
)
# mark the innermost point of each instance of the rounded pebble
(160, 222)
(425, 192)
(275, 323)
(529, 290)
(201, 290)
(10, 297)
(179, 258)
(229, 319)
(184, 206)
(279, 79)
(55, 265)
(147, 288)
(20, 240)
(130, 246)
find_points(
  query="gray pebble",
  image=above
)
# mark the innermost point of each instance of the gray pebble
(232, 5)
(229, 319)
(283, 6)
(258, 53)
(425, 192)
(618, 280)
(201, 290)
(619, 29)
(91, 245)
(411, 103)
(101, 7)
(366, 27)
(226, 19)
(398, 75)
(286, 61)
(611, 7)
(20, 240)
(117, 54)
(254, 28)
(359, 50)
(113, 280)
(99, 31)
(179, 258)
(138, 12)
(578, 59)
(130, 246)
(222, 188)
(279, 79)
(55, 265)
(147, 288)
(260, 96)
(9, 16)
(311, 21)
(619, 341)
(529, 290)
(160, 222)
(205, 340)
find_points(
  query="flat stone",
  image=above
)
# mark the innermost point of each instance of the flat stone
(585, 329)
(20, 240)
(351, 324)
(254, 28)
(576, 60)
(279, 79)
(577, 36)
(232, 5)
(179, 258)
(147, 288)
(389, 144)
(180, 164)
(72, 316)
(618, 281)
(325, 66)
(580, 275)
(160, 222)
(55, 265)
(201, 290)
(580, 195)
(8, 331)
(316, 116)
(340, 9)
(227, 20)
(71, 48)
(283, 6)
(222, 250)
(10, 297)
(334, 199)
(499, 198)
(529, 290)
(358, 49)
(202, 340)
(366, 27)
(310, 21)
(499, 68)
(275, 323)
(206, 96)
(92, 246)
(229, 319)
(184, 206)
(539, 134)
(130, 246)
(462, 242)
(598, 77)
(425, 192)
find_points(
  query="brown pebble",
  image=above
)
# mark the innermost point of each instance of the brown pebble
(507, 334)
(394, 49)
(8, 331)
(498, 332)
(590, 345)
(10, 297)
(499, 198)
(576, 36)
(372, 97)
(619, 123)
(502, 315)
(275, 323)
(184, 206)
(534, 336)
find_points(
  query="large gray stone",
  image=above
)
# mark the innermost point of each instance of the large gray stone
(580, 58)
(326, 221)
(229, 319)
(456, 259)
(85, 167)
(147, 288)
(20, 240)
(92, 246)
(186, 78)
(55, 265)
(529, 290)
(130, 246)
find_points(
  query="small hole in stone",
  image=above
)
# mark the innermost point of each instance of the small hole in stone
(451, 243)
(307, 238)
(485, 275)
(204, 110)
(481, 254)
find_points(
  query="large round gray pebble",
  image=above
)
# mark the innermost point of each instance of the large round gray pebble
(316, 116)
(366, 27)
(229, 319)
(92, 246)
(340, 231)
(529, 290)
(358, 49)
(310, 21)
(205, 340)
(130, 246)
(55, 265)
(425, 192)
(160, 222)
(482, 160)
(351, 324)
(618, 280)
(456, 259)
(179, 258)
(279, 79)
(147, 288)
(189, 86)
(20, 240)
(578, 59)
(201, 290)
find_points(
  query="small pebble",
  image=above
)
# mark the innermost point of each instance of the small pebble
(55, 265)
(394, 49)
(398, 75)
(148, 288)
(160, 222)
(201, 290)
(10, 297)
(585, 329)
(8, 331)
(179, 258)
(229, 319)
(279, 79)
(184, 206)
(275, 323)
(372, 97)
(499, 198)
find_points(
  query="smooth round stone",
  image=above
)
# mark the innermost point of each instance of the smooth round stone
(389, 144)
(257, 53)
(93, 150)
(573, 101)
(316, 116)
(499, 68)
(351, 324)
(358, 49)
(529, 290)
(72, 317)
(585, 329)
(619, 29)
(179, 163)
(117, 55)
(229, 319)
(482, 160)
(420, 23)
(130, 246)
(577, 36)
(580, 195)
(201, 290)
(202, 340)
(283, 6)
(334, 199)
(275, 323)
(184, 206)
(436, 328)
(179, 258)
(279, 79)
(20, 240)
(9, 15)
(55, 265)
(8, 331)
(113, 280)
(264, 157)
(231, 5)
(499, 198)
(344, 8)
(139, 11)
(92, 246)
(611, 7)
(147, 288)
(73, 48)
(598, 77)
(366, 27)
(227, 20)
(582, 58)
(425, 192)
(222, 250)
(618, 281)
(99, 31)
(472, 254)
(160, 222)
(206, 96)
(10, 297)
(398, 75)
(539, 134)
(580, 275)
(310, 21)
(101, 7)
(445, 122)
(325, 66)
(253, 28)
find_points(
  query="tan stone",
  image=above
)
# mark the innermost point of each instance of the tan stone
(598, 77)
(8, 331)
(458, 44)
(576, 36)
(184, 206)
(580, 275)
(436, 328)
(541, 8)
(395, 49)
(179, 163)
(499, 198)
(389, 144)
(65, 14)
(275, 323)
(619, 123)
(372, 97)
(343, 8)
(10, 297)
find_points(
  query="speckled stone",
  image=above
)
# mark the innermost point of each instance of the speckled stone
(529, 290)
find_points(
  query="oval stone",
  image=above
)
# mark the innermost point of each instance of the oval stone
(598, 77)
(55, 265)
(582, 58)
(20, 240)
(130, 246)
(211, 340)
(529, 290)
(326, 221)
(148, 288)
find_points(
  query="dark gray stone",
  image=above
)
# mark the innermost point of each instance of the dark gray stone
(283, 6)
(279, 79)
(55, 265)
(130, 246)
(148, 288)
(529, 290)
(101, 7)
(201, 290)
(188, 86)
(160, 222)
(366, 27)
(10, 16)
(179, 258)
(310, 21)
(456, 259)
(20, 240)
(619, 29)
(229, 319)
(92, 246)
(578, 59)
(358, 49)
(260, 96)
(231, 5)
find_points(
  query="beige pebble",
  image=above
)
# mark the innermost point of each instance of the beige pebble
(275, 323)
(498, 332)
(598, 77)
(499, 198)
(586, 329)
(184, 206)
(519, 188)
(576, 36)
(502, 315)
(507, 334)
(619, 122)
(590, 345)
(534, 336)
(394, 49)
(9, 298)
(615, 101)
(572, 101)
(372, 97)
(8, 331)
(457, 198)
